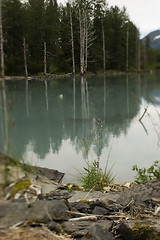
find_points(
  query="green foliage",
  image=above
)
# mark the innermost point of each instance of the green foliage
(147, 174)
(42, 21)
(94, 178)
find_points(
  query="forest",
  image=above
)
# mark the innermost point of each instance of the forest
(42, 37)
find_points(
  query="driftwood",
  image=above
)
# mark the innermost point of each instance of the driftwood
(145, 110)
(87, 216)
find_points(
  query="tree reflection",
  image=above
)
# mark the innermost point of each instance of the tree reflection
(83, 111)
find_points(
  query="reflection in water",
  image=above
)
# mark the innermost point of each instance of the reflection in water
(27, 105)
(81, 122)
(127, 87)
(4, 117)
(46, 94)
(104, 76)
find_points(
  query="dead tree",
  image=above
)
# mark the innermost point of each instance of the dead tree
(104, 50)
(1, 42)
(45, 59)
(72, 40)
(25, 57)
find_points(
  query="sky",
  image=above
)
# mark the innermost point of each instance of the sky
(145, 14)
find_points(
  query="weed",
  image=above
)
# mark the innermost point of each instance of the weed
(147, 174)
(94, 178)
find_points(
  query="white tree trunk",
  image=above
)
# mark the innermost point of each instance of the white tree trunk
(1, 42)
(72, 42)
(82, 40)
(25, 57)
(104, 50)
(45, 59)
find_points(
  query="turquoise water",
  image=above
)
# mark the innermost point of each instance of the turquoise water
(61, 123)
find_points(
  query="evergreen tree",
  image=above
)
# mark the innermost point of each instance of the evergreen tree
(13, 36)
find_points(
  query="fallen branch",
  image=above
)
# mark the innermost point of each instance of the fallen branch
(145, 110)
(85, 218)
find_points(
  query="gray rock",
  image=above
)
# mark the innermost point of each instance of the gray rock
(94, 196)
(124, 231)
(52, 174)
(54, 226)
(141, 193)
(78, 229)
(57, 195)
(12, 213)
(100, 211)
(80, 206)
(98, 233)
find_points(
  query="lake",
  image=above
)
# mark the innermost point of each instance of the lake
(62, 123)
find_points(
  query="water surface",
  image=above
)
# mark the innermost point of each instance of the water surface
(62, 123)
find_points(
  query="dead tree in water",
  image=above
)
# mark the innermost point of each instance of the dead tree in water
(1, 42)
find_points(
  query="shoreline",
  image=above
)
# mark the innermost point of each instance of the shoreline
(39, 201)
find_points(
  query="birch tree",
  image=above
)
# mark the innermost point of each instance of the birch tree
(1, 42)
(72, 39)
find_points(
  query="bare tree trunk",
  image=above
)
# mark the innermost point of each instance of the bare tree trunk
(139, 55)
(127, 38)
(72, 41)
(82, 36)
(86, 45)
(25, 57)
(45, 59)
(1, 42)
(104, 50)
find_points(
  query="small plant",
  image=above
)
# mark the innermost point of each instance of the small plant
(93, 177)
(147, 174)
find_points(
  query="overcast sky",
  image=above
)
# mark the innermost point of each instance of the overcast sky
(145, 14)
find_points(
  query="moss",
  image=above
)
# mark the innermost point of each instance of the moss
(88, 235)
(86, 201)
(33, 220)
(143, 231)
(73, 187)
(20, 185)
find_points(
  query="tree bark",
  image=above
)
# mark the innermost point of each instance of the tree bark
(82, 36)
(72, 42)
(25, 57)
(45, 59)
(104, 50)
(1, 42)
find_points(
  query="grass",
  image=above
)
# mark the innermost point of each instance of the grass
(94, 178)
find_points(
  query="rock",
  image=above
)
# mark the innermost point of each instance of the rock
(80, 206)
(123, 231)
(96, 232)
(93, 196)
(141, 193)
(78, 229)
(43, 211)
(54, 226)
(52, 174)
(56, 194)
(100, 211)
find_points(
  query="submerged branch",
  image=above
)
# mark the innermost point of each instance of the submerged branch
(145, 110)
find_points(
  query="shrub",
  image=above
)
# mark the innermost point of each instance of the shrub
(147, 174)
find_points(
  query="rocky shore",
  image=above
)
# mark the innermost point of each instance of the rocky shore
(40, 205)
